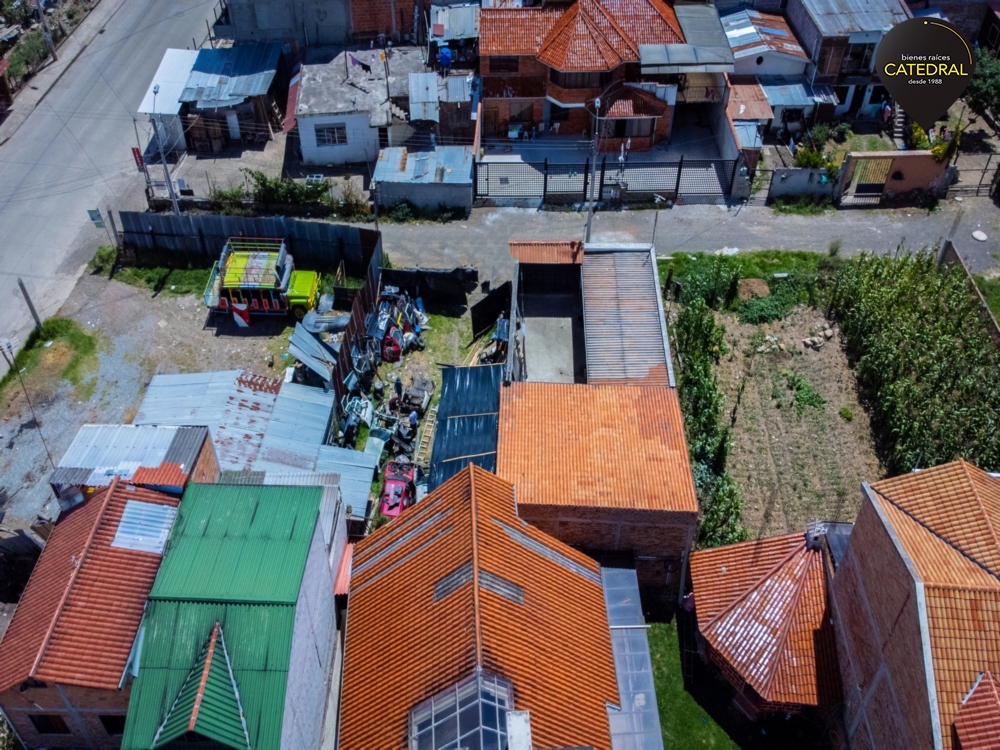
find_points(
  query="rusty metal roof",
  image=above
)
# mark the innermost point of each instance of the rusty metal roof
(547, 251)
(606, 446)
(624, 327)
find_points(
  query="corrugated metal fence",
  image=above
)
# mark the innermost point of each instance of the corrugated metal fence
(364, 303)
(179, 241)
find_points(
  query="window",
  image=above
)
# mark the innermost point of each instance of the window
(579, 80)
(470, 714)
(507, 64)
(557, 113)
(522, 111)
(331, 135)
(113, 724)
(49, 724)
(858, 58)
(829, 60)
(640, 127)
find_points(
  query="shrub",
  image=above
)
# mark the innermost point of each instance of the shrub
(715, 283)
(353, 206)
(701, 343)
(783, 297)
(841, 132)
(803, 393)
(104, 261)
(820, 133)
(807, 158)
(802, 205)
(403, 212)
(27, 55)
(925, 360)
(228, 201)
(846, 414)
(284, 190)
(834, 249)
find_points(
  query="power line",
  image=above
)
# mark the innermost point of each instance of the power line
(34, 417)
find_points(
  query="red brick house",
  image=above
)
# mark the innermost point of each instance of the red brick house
(544, 67)
(65, 660)
(916, 607)
(763, 620)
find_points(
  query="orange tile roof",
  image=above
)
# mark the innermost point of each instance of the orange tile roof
(608, 446)
(342, 583)
(978, 721)
(946, 519)
(78, 615)
(164, 475)
(590, 35)
(515, 31)
(761, 608)
(403, 646)
(628, 101)
(547, 251)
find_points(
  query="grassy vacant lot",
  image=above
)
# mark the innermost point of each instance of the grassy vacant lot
(66, 351)
(167, 282)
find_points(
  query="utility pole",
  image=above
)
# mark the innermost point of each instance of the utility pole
(597, 135)
(163, 156)
(45, 27)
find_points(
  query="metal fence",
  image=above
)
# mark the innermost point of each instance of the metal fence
(605, 178)
(977, 175)
(179, 241)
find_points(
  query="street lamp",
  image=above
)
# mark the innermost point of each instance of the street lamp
(163, 156)
(597, 135)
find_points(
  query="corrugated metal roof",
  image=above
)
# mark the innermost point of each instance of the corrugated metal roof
(844, 17)
(455, 21)
(239, 544)
(317, 355)
(467, 420)
(445, 164)
(259, 641)
(624, 327)
(458, 89)
(107, 451)
(424, 96)
(298, 426)
(173, 73)
(795, 92)
(356, 470)
(144, 526)
(226, 77)
(605, 446)
(747, 100)
(235, 406)
(748, 134)
(751, 33)
(78, 616)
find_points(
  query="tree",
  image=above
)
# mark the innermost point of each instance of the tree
(16, 12)
(983, 94)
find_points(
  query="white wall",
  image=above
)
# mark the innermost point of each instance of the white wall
(361, 138)
(773, 65)
(311, 662)
(723, 132)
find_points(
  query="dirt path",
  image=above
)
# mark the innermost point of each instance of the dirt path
(793, 468)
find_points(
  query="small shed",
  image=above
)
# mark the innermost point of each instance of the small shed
(764, 44)
(428, 179)
(162, 100)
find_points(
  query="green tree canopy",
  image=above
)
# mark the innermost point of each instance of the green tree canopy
(983, 94)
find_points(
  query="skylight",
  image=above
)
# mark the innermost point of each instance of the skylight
(471, 714)
(144, 527)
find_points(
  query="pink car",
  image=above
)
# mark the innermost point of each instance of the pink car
(398, 491)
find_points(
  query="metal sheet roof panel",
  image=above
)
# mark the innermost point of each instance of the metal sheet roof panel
(171, 76)
(227, 76)
(844, 17)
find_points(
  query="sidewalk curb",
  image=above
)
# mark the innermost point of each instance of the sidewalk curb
(67, 66)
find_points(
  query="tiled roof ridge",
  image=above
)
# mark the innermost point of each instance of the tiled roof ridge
(106, 500)
(753, 586)
(936, 534)
(659, 6)
(979, 501)
(786, 626)
(204, 678)
(476, 611)
(608, 15)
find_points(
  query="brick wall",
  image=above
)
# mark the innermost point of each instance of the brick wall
(79, 707)
(967, 15)
(370, 18)
(804, 27)
(873, 598)
(527, 65)
(206, 466)
(656, 534)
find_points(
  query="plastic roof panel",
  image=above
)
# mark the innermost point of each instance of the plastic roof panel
(173, 73)
(144, 527)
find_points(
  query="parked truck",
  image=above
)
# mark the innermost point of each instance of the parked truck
(258, 276)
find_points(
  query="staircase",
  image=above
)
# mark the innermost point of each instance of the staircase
(398, 112)
(422, 456)
(898, 127)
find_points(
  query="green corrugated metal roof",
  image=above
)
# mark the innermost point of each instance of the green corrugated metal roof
(258, 641)
(239, 543)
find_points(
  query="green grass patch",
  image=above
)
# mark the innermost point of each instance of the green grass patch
(991, 291)
(362, 439)
(103, 261)
(802, 205)
(804, 393)
(166, 282)
(683, 722)
(846, 414)
(83, 346)
(762, 264)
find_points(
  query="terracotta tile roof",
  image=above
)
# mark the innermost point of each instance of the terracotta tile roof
(761, 609)
(342, 583)
(628, 101)
(78, 616)
(978, 721)
(165, 475)
(555, 647)
(590, 35)
(547, 251)
(609, 446)
(515, 31)
(747, 100)
(946, 519)
(513, 87)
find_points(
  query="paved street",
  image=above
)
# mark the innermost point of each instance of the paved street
(72, 153)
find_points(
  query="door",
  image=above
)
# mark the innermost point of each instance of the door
(492, 123)
(233, 120)
(383, 137)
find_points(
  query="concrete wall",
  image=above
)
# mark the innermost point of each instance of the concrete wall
(304, 22)
(81, 709)
(874, 605)
(394, 18)
(362, 140)
(773, 65)
(425, 196)
(910, 170)
(800, 182)
(804, 27)
(311, 663)
(722, 129)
